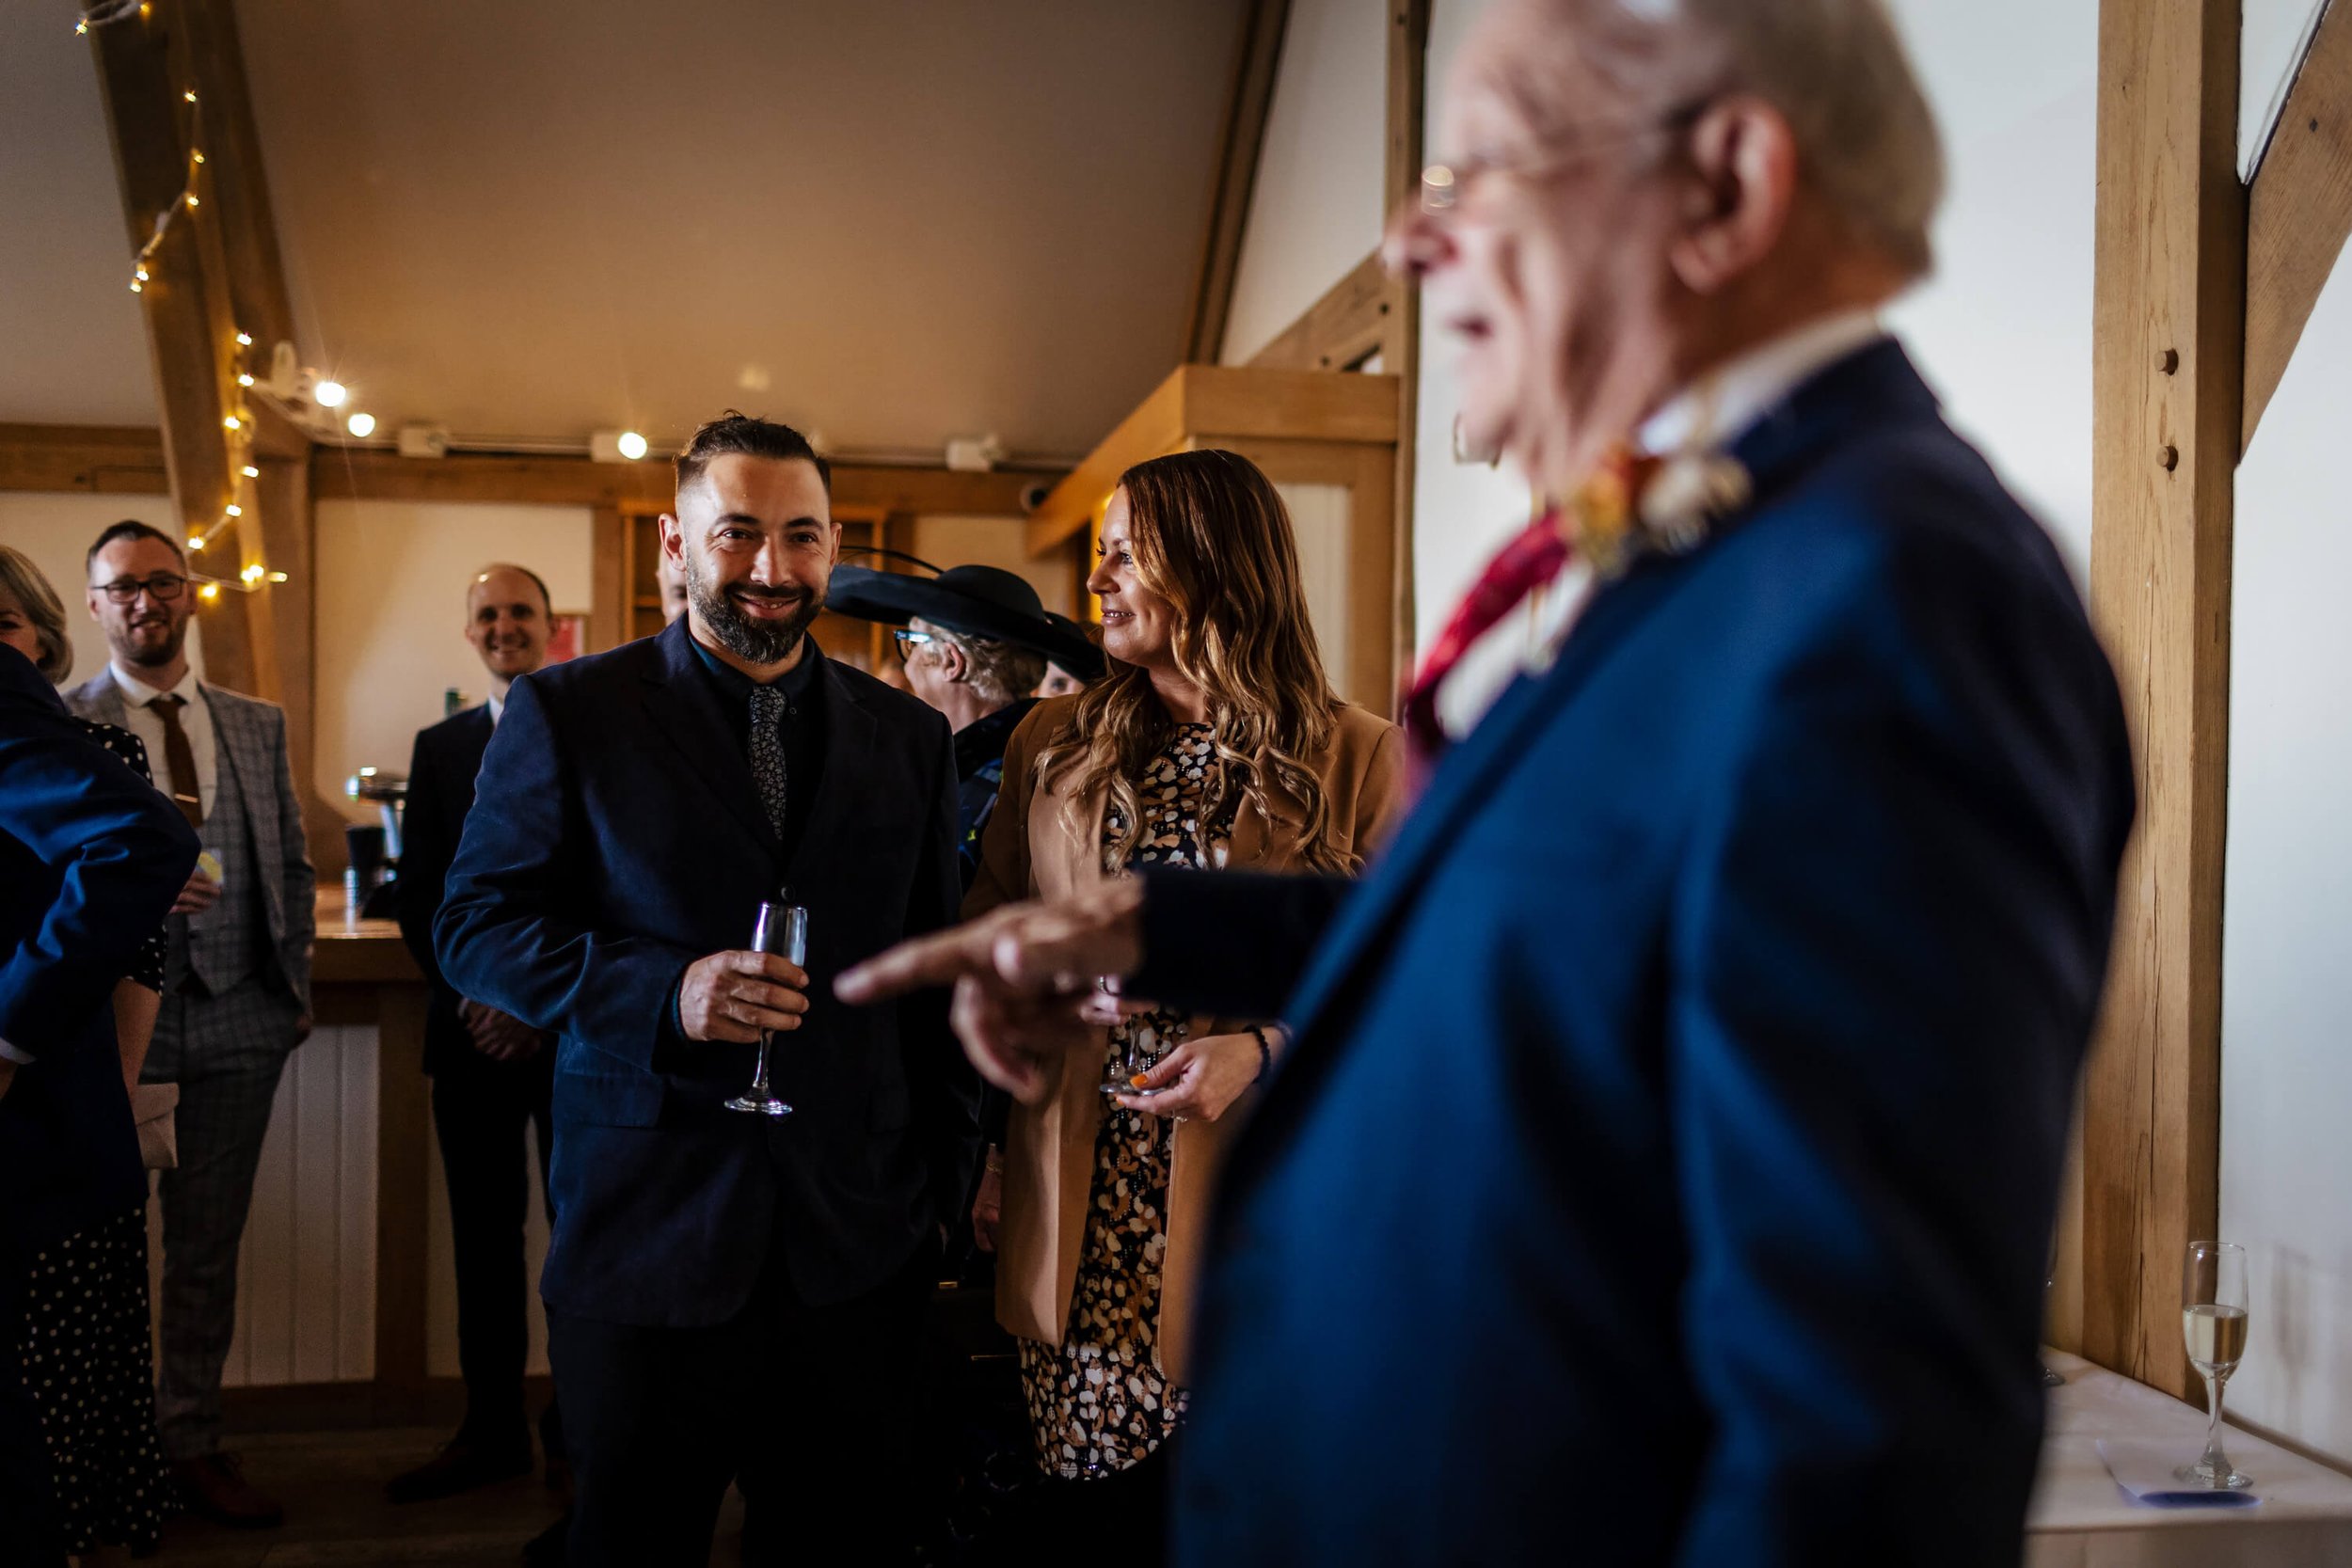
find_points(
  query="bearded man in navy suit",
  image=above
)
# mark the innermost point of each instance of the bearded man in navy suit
(730, 1296)
(1665, 1161)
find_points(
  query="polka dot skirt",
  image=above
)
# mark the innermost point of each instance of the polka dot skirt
(88, 1363)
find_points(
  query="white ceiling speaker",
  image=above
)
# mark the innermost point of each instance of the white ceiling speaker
(424, 440)
(974, 454)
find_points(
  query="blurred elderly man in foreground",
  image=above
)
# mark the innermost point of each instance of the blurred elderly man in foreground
(1665, 1162)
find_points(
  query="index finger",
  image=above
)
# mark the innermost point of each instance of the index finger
(937, 960)
(772, 966)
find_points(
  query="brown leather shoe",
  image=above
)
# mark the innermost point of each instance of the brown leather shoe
(215, 1487)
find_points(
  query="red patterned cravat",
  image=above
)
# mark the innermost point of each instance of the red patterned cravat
(1599, 522)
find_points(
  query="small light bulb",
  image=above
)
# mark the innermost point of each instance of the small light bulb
(277, 577)
(210, 591)
(244, 380)
(331, 394)
(135, 286)
(197, 543)
(360, 425)
(231, 423)
(189, 95)
(142, 275)
(632, 445)
(251, 471)
(252, 573)
(196, 157)
(244, 340)
(193, 201)
(82, 27)
(236, 510)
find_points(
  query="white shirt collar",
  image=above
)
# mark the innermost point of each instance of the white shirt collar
(139, 693)
(1718, 407)
(498, 706)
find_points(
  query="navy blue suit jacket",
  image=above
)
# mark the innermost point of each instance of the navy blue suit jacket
(441, 794)
(1665, 1167)
(615, 838)
(91, 856)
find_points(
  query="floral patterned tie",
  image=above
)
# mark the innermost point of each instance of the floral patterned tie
(768, 770)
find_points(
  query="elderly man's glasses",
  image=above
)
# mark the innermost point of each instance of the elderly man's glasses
(162, 587)
(908, 639)
(1442, 185)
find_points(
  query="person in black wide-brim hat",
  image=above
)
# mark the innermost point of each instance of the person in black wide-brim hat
(975, 641)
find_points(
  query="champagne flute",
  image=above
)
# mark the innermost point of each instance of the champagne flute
(781, 929)
(2212, 1321)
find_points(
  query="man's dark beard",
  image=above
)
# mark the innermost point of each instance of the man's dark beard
(758, 642)
(165, 655)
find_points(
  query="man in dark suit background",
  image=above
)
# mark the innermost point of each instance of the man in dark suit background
(729, 1296)
(492, 1073)
(91, 858)
(1676, 1112)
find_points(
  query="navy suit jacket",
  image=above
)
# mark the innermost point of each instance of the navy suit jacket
(615, 838)
(91, 856)
(1665, 1166)
(440, 794)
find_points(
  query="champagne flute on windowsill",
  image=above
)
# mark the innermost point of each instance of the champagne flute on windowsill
(782, 929)
(2212, 1321)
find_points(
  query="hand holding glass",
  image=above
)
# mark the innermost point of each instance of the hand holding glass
(2213, 1320)
(782, 929)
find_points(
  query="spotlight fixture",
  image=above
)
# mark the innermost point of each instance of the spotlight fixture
(360, 425)
(331, 394)
(616, 446)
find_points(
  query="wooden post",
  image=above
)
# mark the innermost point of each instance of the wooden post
(1409, 69)
(2167, 374)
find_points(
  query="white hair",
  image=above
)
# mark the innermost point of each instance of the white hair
(1835, 70)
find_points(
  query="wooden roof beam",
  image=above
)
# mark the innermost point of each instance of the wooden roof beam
(1258, 63)
(2298, 210)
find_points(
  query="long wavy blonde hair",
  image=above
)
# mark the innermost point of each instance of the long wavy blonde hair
(1210, 534)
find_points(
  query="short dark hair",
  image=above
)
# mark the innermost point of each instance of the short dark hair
(131, 528)
(739, 434)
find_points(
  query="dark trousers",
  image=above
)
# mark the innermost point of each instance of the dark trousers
(480, 1110)
(29, 1526)
(810, 1410)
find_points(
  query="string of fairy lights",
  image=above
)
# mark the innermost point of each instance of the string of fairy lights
(237, 424)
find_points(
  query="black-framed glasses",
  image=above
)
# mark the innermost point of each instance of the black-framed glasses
(908, 639)
(1443, 184)
(162, 587)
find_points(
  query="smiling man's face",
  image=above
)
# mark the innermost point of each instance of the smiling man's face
(756, 540)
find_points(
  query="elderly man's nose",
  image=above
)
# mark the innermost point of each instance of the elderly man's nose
(1415, 244)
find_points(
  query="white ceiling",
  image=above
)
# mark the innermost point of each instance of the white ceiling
(71, 348)
(535, 218)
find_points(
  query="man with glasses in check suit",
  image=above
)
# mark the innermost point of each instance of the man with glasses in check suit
(237, 979)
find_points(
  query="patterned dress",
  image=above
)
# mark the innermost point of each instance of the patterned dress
(1096, 1403)
(85, 1346)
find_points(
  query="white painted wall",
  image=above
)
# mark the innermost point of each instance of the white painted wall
(55, 530)
(2286, 990)
(1002, 542)
(391, 616)
(1316, 208)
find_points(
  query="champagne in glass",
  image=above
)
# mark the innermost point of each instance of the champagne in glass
(2213, 1321)
(781, 929)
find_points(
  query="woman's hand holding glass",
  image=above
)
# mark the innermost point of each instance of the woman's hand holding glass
(1199, 1078)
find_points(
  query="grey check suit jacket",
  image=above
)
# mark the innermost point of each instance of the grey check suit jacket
(250, 736)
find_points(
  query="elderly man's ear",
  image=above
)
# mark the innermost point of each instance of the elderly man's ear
(1741, 168)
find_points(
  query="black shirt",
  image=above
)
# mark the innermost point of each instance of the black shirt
(803, 729)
